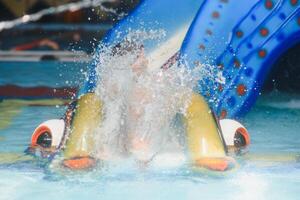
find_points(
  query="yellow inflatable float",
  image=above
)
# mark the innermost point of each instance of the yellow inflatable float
(206, 146)
(205, 143)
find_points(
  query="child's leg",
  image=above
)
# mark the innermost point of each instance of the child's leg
(138, 142)
(109, 134)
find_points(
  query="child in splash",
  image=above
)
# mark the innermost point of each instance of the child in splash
(130, 124)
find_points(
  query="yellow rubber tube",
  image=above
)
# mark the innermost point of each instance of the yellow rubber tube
(205, 146)
(80, 144)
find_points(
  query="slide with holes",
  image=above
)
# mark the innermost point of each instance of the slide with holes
(240, 40)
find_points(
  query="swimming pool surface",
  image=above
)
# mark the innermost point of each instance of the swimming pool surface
(46, 73)
(274, 125)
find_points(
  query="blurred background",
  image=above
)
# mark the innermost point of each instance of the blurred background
(68, 30)
(46, 45)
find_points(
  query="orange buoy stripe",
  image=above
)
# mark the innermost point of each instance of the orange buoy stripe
(244, 133)
(40, 130)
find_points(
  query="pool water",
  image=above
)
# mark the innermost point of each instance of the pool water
(46, 73)
(274, 127)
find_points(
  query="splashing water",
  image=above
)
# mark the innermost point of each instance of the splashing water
(55, 10)
(140, 104)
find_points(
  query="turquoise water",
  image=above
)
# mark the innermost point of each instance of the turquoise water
(46, 73)
(274, 127)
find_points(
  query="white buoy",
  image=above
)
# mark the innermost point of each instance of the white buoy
(54, 128)
(234, 133)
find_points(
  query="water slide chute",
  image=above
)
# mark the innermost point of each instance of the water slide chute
(241, 40)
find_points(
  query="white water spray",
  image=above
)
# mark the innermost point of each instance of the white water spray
(140, 104)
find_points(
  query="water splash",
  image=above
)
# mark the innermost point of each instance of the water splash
(250, 186)
(55, 10)
(140, 104)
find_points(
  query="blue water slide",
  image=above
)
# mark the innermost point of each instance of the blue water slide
(241, 40)
(167, 15)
